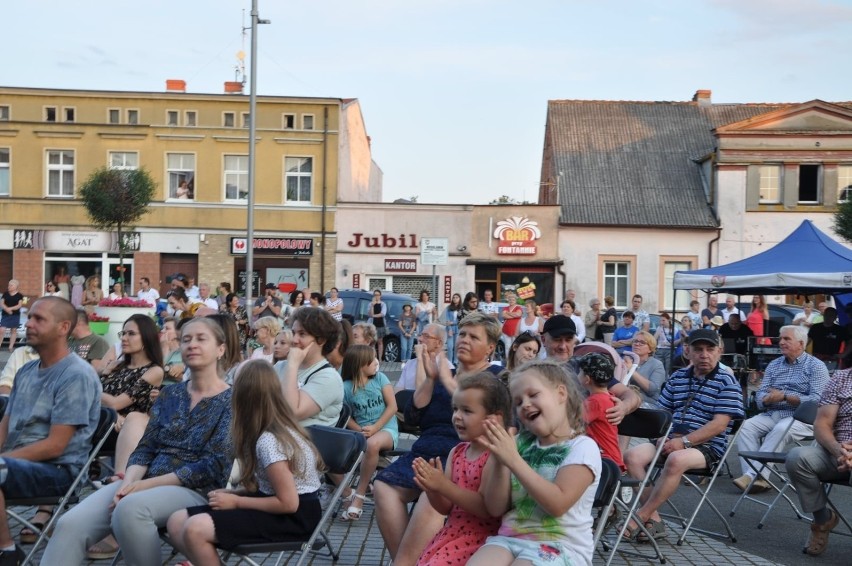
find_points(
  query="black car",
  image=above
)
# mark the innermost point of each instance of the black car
(356, 308)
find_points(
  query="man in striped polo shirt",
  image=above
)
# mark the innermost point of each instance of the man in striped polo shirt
(703, 399)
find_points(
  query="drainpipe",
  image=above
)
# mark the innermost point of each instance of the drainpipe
(713, 210)
(564, 279)
(324, 195)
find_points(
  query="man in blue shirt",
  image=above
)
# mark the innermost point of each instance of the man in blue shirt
(52, 413)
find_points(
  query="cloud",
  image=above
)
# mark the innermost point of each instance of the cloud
(771, 18)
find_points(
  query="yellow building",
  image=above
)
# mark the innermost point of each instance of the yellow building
(309, 153)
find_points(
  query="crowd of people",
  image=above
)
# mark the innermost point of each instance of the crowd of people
(509, 452)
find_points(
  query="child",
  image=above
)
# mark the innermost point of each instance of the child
(373, 402)
(458, 491)
(280, 475)
(407, 325)
(545, 479)
(597, 372)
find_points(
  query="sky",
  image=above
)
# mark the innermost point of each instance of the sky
(454, 92)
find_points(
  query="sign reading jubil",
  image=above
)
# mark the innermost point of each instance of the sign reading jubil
(434, 251)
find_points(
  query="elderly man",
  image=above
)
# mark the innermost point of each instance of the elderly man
(829, 460)
(205, 298)
(703, 399)
(788, 382)
(558, 339)
(52, 413)
(430, 344)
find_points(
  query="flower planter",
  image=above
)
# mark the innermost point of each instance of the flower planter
(100, 328)
(117, 317)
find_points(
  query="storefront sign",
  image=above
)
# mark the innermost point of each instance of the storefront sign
(401, 265)
(517, 236)
(241, 283)
(435, 251)
(74, 241)
(277, 246)
(403, 241)
(356, 280)
(448, 289)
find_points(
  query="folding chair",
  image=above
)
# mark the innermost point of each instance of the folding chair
(341, 450)
(641, 423)
(105, 423)
(605, 495)
(711, 474)
(345, 415)
(758, 461)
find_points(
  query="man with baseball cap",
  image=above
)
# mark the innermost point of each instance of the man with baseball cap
(269, 304)
(559, 337)
(703, 399)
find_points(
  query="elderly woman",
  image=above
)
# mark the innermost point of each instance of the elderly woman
(265, 330)
(431, 408)
(431, 344)
(592, 321)
(650, 375)
(184, 454)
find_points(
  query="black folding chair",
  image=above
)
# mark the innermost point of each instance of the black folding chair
(641, 423)
(341, 450)
(106, 422)
(605, 495)
(758, 461)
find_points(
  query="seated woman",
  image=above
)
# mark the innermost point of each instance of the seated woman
(431, 408)
(265, 330)
(184, 454)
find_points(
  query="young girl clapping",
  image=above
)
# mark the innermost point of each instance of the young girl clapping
(458, 491)
(280, 470)
(371, 396)
(546, 478)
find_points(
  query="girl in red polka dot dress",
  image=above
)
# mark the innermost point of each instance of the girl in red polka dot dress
(458, 490)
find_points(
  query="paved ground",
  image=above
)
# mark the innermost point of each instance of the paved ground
(780, 542)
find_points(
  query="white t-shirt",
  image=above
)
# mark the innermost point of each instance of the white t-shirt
(324, 386)
(269, 451)
(408, 376)
(151, 296)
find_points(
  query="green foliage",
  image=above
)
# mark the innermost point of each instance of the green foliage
(843, 220)
(114, 198)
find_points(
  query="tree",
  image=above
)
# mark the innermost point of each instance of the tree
(115, 198)
(843, 220)
(506, 199)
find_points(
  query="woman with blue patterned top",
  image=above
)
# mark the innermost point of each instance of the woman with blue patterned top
(185, 453)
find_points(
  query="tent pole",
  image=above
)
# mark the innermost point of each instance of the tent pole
(674, 319)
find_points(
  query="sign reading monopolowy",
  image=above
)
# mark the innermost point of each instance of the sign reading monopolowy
(517, 236)
(281, 246)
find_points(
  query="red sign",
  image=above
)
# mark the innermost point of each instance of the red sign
(356, 280)
(278, 246)
(359, 239)
(401, 265)
(517, 236)
(448, 288)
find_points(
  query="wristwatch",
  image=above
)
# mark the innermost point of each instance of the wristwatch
(167, 368)
(686, 442)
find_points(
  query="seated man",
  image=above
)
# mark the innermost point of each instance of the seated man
(809, 466)
(431, 340)
(702, 398)
(788, 381)
(84, 342)
(735, 330)
(826, 338)
(622, 339)
(52, 413)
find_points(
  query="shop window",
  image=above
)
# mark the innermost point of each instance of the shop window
(60, 173)
(616, 280)
(844, 183)
(526, 282)
(288, 121)
(412, 285)
(114, 116)
(4, 171)
(133, 117)
(126, 160)
(236, 177)
(181, 175)
(770, 184)
(809, 176)
(297, 179)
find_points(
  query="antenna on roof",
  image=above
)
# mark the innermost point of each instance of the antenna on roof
(240, 67)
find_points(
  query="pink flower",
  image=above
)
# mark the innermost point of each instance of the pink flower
(125, 302)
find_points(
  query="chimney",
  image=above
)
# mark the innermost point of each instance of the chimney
(703, 97)
(233, 87)
(175, 85)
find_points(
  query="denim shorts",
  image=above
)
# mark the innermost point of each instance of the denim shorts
(535, 551)
(25, 479)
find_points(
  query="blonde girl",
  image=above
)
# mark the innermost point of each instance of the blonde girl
(280, 477)
(545, 479)
(458, 490)
(370, 394)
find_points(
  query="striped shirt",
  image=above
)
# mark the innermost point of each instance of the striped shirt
(805, 378)
(838, 392)
(717, 393)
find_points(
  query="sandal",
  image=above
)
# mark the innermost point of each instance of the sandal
(656, 529)
(29, 536)
(630, 534)
(103, 550)
(818, 541)
(353, 513)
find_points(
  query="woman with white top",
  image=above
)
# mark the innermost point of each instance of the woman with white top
(425, 311)
(530, 322)
(568, 308)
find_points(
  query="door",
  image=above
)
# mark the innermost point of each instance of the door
(176, 263)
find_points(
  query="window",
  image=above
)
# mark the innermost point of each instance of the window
(4, 171)
(770, 184)
(60, 173)
(114, 115)
(236, 177)
(307, 121)
(4, 113)
(50, 114)
(133, 117)
(181, 173)
(171, 117)
(127, 160)
(228, 120)
(683, 296)
(288, 121)
(69, 114)
(844, 183)
(297, 178)
(809, 184)
(245, 120)
(617, 282)
(190, 118)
